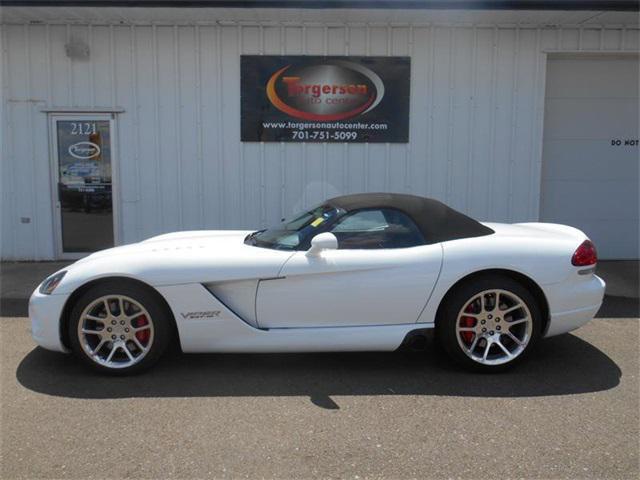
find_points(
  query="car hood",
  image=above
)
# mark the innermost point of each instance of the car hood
(178, 242)
(178, 258)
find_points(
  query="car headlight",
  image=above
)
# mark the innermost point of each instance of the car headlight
(50, 284)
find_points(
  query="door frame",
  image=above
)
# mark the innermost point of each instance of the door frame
(54, 172)
(541, 93)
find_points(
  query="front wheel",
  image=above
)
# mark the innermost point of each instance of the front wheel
(119, 328)
(489, 324)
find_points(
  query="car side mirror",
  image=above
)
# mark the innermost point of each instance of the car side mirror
(322, 241)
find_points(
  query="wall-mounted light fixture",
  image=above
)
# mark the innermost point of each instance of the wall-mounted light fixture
(76, 49)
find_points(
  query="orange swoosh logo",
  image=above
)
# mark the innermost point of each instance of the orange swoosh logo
(294, 112)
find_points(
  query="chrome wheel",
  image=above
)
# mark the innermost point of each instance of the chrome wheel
(494, 327)
(115, 331)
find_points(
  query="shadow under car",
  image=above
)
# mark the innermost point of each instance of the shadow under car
(559, 366)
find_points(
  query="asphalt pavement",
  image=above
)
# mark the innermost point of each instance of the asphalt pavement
(570, 411)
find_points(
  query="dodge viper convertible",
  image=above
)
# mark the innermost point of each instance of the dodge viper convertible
(357, 273)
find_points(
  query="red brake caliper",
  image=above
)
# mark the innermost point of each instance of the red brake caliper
(467, 322)
(142, 335)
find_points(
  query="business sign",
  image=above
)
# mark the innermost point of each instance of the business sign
(325, 99)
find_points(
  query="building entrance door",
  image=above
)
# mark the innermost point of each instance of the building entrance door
(82, 176)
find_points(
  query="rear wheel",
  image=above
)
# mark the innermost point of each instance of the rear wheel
(489, 324)
(119, 328)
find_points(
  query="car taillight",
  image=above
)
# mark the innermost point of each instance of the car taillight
(585, 254)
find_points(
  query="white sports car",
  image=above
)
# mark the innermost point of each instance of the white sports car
(358, 272)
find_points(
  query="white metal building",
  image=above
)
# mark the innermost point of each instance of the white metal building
(515, 115)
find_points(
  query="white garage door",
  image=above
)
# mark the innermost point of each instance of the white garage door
(590, 154)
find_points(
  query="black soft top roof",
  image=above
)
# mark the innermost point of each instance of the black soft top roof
(436, 221)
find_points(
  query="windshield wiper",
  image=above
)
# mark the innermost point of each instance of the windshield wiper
(252, 235)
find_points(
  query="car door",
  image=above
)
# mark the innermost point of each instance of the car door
(382, 273)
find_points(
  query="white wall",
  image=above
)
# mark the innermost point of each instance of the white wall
(477, 95)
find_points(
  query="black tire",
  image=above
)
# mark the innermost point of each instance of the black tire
(146, 297)
(446, 334)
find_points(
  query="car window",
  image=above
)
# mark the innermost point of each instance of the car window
(364, 221)
(376, 228)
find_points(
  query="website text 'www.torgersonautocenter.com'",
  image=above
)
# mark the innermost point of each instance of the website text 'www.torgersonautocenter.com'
(324, 130)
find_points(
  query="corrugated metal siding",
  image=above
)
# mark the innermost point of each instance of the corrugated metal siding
(475, 139)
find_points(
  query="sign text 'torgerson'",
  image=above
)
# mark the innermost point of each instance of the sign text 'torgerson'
(325, 99)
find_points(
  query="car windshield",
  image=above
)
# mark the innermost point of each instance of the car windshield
(291, 234)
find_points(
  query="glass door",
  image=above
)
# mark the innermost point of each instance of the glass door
(82, 152)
